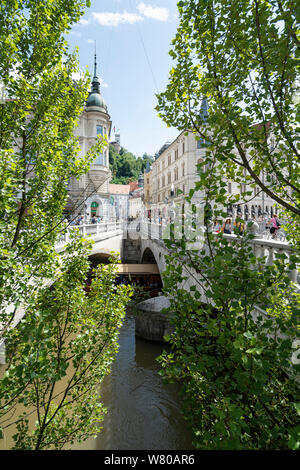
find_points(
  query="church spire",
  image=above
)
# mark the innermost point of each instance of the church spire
(95, 81)
(95, 62)
(95, 99)
(204, 109)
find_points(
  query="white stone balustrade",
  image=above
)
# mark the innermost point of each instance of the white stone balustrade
(90, 230)
(262, 248)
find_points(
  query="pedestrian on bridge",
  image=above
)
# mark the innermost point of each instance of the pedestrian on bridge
(227, 228)
(275, 226)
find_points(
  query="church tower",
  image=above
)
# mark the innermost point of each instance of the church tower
(90, 194)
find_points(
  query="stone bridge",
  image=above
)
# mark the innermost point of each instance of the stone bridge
(149, 248)
(107, 237)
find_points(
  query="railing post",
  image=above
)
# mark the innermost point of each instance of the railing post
(270, 259)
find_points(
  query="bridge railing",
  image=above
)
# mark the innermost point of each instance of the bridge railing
(90, 230)
(263, 248)
(268, 249)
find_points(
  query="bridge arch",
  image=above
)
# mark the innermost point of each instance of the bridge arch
(148, 257)
(151, 253)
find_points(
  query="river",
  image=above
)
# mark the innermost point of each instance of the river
(143, 412)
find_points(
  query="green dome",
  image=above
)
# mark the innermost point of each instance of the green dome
(95, 99)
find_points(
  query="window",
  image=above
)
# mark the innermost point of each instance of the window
(163, 181)
(229, 188)
(176, 154)
(176, 174)
(200, 143)
(183, 147)
(99, 130)
(100, 159)
(183, 168)
(169, 178)
(243, 188)
(169, 159)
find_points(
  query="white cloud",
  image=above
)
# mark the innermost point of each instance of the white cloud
(83, 22)
(91, 41)
(155, 13)
(73, 33)
(114, 19)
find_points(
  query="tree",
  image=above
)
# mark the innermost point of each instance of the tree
(125, 166)
(39, 154)
(240, 387)
(60, 353)
(244, 60)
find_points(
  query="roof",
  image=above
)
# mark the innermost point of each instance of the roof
(134, 185)
(119, 188)
(260, 125)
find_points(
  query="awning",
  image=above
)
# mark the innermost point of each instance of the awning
(137, 269)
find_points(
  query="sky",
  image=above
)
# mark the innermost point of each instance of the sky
(133, 39)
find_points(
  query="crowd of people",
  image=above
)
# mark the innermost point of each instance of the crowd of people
(80, 220)
(228, 226)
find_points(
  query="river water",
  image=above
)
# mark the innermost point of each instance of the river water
(143, 412)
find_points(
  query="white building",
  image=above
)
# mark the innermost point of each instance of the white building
(174, 173)
(119, 201)
(136, 198)
(90, 194)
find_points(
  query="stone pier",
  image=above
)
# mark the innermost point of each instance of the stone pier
(150, 322)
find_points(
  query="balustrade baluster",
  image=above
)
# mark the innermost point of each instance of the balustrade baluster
(270, 259)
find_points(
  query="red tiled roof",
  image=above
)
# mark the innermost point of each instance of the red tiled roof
(119, 188)
(133, 185)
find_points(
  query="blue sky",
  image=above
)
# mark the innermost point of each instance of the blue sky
(133, 39)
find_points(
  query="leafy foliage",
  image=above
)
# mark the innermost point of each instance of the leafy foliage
(244, 58)
(240, 387)
(60, 353)
(125, 166)
(60, 342)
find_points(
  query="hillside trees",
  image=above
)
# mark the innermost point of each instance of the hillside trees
(125, 166)
(39, 109)
(240, 386)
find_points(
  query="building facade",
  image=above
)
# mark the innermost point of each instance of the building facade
(136, 198)
(119, 201)
(173, 175)
(90, 194)
(175, 171)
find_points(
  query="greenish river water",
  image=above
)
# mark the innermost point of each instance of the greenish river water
(143, 412)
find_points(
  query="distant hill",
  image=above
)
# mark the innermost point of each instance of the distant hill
(125, 166)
